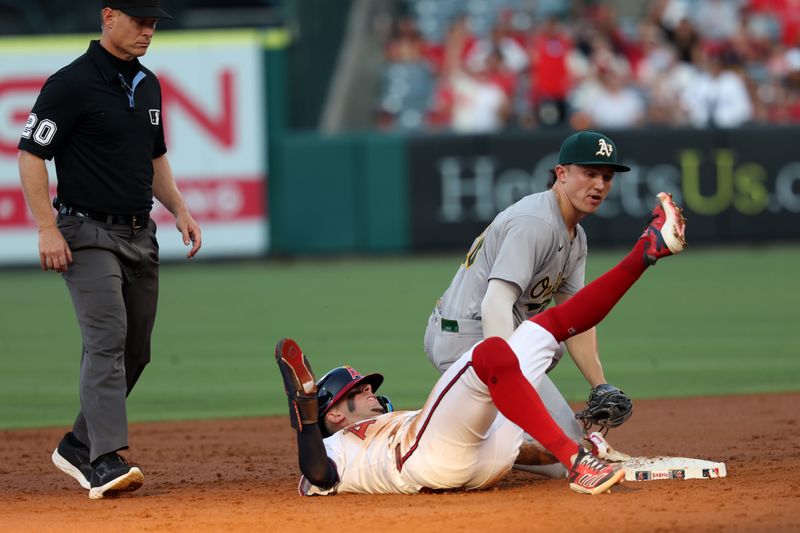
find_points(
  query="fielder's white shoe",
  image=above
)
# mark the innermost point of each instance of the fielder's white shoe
(603, 450)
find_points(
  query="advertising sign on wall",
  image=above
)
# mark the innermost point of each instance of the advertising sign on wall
(214, 119)
(735, 186)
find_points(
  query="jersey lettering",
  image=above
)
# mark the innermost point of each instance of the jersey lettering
(543, 291)
(541, 288)
(29, 124)
(45, 132)
(360, 429)
(473, 252)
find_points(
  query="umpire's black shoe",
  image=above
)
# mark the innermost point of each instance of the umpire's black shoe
(72, 458)
(112, 476)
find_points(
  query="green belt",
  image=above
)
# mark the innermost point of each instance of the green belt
(450, 325)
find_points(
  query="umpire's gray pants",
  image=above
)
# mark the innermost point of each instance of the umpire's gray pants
(113, 281)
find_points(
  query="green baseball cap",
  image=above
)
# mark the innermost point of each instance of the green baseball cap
(590, 148)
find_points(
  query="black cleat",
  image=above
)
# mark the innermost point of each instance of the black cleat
(72, 458)
(113, 476)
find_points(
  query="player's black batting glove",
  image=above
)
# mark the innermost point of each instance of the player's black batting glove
(607, 407)
(299, 383)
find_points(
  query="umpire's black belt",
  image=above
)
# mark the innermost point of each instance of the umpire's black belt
(136, 221)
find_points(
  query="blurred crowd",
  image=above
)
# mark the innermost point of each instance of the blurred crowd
(485, 65)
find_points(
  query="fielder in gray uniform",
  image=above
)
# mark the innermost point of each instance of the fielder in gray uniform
(532, 253)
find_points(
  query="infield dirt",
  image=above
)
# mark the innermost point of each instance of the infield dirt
(241, 475)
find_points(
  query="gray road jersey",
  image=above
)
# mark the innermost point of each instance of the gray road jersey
(528, 245)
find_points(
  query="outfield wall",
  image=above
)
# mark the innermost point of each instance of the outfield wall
(339, 194)
(741, 185)
(436, 192)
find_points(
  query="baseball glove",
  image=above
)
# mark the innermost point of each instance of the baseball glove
(607, 407)
(299, 383)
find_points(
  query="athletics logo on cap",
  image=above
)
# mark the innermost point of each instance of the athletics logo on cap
(605, 148)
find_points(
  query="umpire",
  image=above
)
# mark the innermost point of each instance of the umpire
(100, 118)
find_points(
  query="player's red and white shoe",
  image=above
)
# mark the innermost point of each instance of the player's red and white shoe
(590, 475)
(664, 233)
(297, 374)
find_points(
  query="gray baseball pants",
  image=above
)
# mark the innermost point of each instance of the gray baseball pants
(113, 281)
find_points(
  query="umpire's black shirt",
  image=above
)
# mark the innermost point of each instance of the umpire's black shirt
(100, 117)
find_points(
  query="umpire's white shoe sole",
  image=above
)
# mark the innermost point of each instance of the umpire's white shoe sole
(67, 467)
(128, 482)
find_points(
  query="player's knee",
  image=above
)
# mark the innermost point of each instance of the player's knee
(492, 356)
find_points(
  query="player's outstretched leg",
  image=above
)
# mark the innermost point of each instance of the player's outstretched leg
(495, 364)
(664, 233)
(663, 236)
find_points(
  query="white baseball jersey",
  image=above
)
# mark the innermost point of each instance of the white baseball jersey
(365, 457)
(457, 440)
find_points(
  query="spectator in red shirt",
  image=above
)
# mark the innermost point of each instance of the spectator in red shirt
(786, 14)
(550, 76)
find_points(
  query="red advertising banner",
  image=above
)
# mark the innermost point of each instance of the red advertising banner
(214, 124)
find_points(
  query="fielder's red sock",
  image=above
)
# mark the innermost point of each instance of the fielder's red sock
(592, 303)
(514, 396)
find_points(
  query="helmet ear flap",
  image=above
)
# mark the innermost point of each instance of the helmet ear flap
(385, 402)
(323, 400)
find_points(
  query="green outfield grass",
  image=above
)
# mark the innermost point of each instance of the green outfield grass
(708, 322)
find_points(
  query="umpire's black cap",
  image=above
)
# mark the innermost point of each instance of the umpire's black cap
(139, 8)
